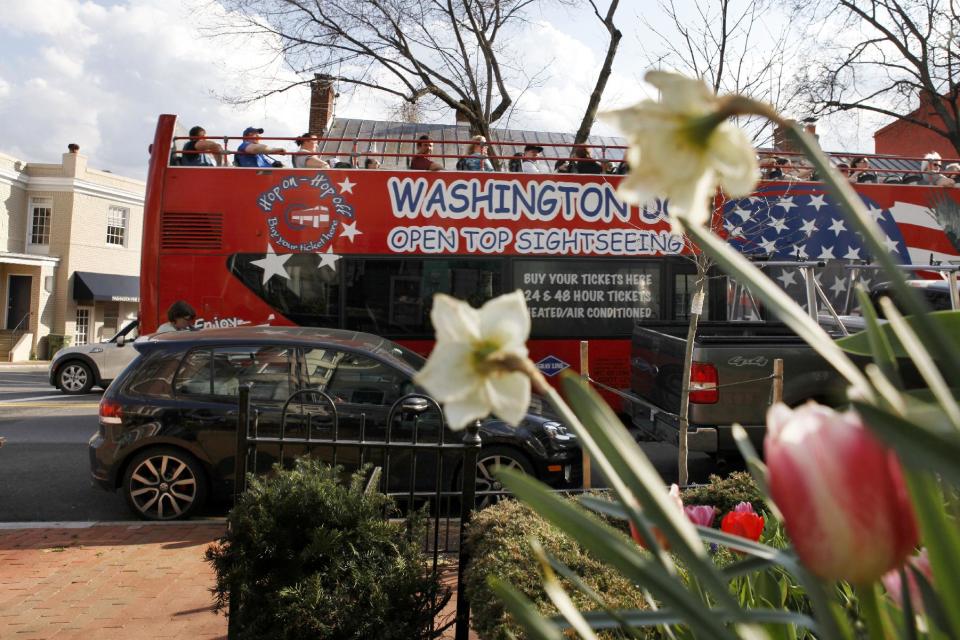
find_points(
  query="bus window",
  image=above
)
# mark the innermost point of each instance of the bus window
(588, 298)
(310, 296)
(394, 297)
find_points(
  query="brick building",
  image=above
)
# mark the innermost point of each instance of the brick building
(69, 254)
(904, 138)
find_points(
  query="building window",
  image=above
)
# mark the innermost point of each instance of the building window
(117, 225)
(41, 211)
(82, 328)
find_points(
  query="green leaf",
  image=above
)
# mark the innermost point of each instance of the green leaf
(859, 343)
(559, 596)
(610, 546)
(756, 467)
(940, 536)
(878, 340)
(920, 444)
(932, 604)
(617, 450)
(538, 627)
(600, 620)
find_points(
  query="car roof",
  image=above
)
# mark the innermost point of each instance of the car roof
(263, 334)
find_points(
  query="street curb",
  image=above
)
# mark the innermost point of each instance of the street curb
(133, 524)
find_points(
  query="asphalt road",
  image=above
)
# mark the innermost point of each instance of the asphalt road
(45, 471)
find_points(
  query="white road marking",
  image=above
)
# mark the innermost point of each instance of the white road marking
(58, 396)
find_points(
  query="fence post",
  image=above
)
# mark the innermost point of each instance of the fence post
(468, 494)
(239, 485)
(777, 395)
(585, 375)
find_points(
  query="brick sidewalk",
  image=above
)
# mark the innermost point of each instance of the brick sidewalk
(108, 581)
(135, 582)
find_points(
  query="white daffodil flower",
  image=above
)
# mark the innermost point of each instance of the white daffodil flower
(682, 147)
(474, 369)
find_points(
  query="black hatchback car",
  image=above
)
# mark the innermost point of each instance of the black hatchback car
(167, 434)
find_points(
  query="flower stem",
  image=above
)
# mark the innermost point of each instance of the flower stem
(879, 625)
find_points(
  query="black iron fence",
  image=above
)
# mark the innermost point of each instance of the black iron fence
(422, 465)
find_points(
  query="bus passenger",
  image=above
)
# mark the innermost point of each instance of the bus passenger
(476, 158)
(529, 162)
(250, 153)
(180, 316)
(583, 162)
(308, 144)
(931, 171)
(370, 163)
(421, 161)
(198, 142)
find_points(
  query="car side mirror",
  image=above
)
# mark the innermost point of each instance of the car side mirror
(121, 340)
(415, 405)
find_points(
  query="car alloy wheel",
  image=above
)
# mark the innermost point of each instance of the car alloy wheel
(488, 488)
(75, 377)
(164, 485)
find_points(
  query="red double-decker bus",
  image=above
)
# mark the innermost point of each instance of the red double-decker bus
(366, 249)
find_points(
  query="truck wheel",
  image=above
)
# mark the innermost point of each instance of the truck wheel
(75, 377)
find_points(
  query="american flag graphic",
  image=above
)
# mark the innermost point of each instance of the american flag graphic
(799, 221)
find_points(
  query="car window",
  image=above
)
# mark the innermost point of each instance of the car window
(354, 378)
(268, 369)
(193, 378)
(155, 376)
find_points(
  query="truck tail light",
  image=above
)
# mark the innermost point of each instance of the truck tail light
(704, 383)
(110, 412)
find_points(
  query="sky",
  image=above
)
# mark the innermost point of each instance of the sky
(99, 72)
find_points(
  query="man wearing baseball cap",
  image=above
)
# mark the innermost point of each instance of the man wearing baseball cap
(250, 153)
(531, 154)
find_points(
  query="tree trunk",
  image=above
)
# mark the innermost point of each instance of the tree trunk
(696, 308)
(591, 113)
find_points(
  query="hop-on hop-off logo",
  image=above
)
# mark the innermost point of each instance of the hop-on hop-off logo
(306, 213)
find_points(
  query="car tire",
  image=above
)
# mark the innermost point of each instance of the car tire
(74, 377)
(488, 458)
(165, 483)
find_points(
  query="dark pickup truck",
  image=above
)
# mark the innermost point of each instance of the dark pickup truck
(730, 380)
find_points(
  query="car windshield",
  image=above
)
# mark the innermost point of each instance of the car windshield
(410, 358)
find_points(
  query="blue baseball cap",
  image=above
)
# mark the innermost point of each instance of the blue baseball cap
(251, 130)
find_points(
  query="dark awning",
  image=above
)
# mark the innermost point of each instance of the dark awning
(89, 286)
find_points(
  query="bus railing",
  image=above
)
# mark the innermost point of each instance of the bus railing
(791, 166)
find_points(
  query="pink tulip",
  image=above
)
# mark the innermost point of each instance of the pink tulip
(744, 507)
(894, 585)
(841, 492)
(701, 515)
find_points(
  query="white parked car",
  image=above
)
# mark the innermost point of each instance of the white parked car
(77, 369)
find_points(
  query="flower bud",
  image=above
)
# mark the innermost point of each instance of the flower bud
(701, 515)
(743, 522)
(893, 583)
(841, 492)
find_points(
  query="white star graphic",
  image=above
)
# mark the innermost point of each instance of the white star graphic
(778, 224)
(826, 253)
(802, 253)
(272, 265)
(737, 232)
(891, 245)
(350, 230)
(809, 227)
(837, 226)
(346, 186)
(852, 254)
(876, 212)
(786, 203)
(769, 245)
(328, 259)
(745, 214)
(818, 201)
(839, 285)
(787, 278)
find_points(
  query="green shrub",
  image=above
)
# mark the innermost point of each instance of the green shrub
(314, 558)
(53, 343)
(499, 539)
(725, 493)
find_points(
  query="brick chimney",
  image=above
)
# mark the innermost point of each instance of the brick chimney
(782, 142)
(322, 98)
